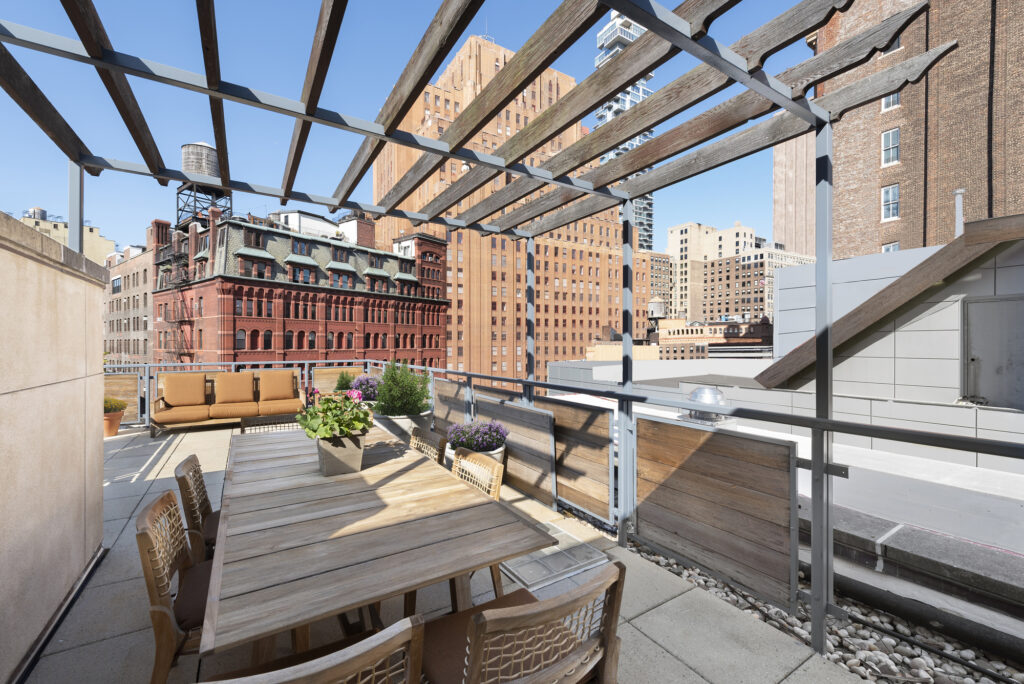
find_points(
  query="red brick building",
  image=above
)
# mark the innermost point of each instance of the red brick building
(230, 290)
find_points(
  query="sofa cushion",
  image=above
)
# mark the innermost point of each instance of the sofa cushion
(278, 384)
(236, 410)
(445, 639)
(233, 388)
(181, 414)
(190, 603)
(279, 407)
(184, 389)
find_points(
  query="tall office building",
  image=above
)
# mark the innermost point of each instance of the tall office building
(612, 39)
(691, 245)
(578, 266)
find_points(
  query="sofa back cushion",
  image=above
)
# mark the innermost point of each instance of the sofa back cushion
(233, 388)
(277, 384)
(184, 389)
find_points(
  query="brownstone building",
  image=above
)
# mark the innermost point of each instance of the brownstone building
(128, 305)
(230, 290)
(578, 267)
(899, 161)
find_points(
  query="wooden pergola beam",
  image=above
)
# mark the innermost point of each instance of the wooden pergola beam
(562, 28)
(754, 139)
(636, 59)
(725, 116)
(445, 29)
(998, 229)
(211, 61)
(23, 90)
(86, 21)
(328, 25)
(689, 89)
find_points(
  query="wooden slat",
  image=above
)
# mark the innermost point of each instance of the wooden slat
(582, 450)
(294, 604)
(211, 62)
(637, 59)
(441, 36)
(686, 91)
(715, 121)
(670, 443)
(564, 26)
(324, 39)
(762, 136)
(24, 91)
(94, 38)
(931, 273)
(993, 230)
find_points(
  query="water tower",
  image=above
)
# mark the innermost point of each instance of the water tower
(194, 198)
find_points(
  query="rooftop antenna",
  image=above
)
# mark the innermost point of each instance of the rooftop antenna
(486, 35)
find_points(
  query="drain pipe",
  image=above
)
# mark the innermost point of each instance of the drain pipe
(958, 200)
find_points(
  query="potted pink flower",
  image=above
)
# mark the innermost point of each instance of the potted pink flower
(339, 425)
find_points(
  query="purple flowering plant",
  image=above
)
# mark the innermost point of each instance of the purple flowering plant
(367, 385)
(478, 435)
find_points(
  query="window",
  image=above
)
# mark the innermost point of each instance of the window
(893, 47)
(891, 247)
(115, 285)
(891, 202)
(891, 147)
(268, 339)
(891, 101)
(289, 339)
(312, 340)
(238, 307)
(240, 339)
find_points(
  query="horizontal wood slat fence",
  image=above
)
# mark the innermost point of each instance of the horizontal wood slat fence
(530, 447)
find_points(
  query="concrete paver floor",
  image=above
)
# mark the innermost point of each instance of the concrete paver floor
(671, 630)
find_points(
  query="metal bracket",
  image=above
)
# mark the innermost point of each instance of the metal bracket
(834, 469)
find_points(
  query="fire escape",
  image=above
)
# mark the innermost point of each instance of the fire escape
(172, 260)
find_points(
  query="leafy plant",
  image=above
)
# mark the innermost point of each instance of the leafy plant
(367, 385)
(402, 392)
(112, 405)
(336, 416)
(344, 382)
(478, 435)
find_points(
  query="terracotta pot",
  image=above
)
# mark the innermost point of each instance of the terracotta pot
(341, 455)
(112, 423)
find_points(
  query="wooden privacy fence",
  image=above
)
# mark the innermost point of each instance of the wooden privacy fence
(124, 386)
(724, 500)
(325, 379)
(530, 447)
(584, 455)
(449, 404)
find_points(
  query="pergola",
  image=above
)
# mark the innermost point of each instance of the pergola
(571, 194)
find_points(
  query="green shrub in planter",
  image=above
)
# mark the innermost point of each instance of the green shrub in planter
(344, 382)
(401, 392)
(111, 405)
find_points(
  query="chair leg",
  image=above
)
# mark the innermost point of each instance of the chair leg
(608, 668)
(410, 604)
(163, 659)
(263, 650)
(300, 639)
(462, 595)
(496, 581)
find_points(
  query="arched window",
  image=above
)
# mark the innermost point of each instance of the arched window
(366, 341)
(254, 339)
(289, 338)
(268, 339)
(240, 339)
(330, 338)
(384, 341)
(312, 340)
(300, 340)
(348, 340)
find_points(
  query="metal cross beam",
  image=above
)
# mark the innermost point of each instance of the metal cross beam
(677, 31)
(113, 61)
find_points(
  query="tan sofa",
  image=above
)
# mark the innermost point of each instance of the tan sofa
(196, 399)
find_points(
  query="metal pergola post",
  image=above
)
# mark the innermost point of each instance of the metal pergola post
(821, 440)
(531, 320)
(627, 428)
(76, 199)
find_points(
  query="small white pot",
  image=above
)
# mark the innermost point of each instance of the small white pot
(497, 454)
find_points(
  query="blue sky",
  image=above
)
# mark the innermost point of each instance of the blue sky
(265, 45)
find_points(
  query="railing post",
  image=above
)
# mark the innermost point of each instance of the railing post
(821, 440)
(531, 321)
(627, 427)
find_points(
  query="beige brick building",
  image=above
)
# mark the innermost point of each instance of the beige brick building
(128, 321)
(742, 287)
(899, 161)
(94, 246)
(578, 267)
(690, 245)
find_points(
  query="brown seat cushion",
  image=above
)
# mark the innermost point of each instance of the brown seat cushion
(190, 603)
(239, 410)
(210, 526)
(444, 639)
(181, 414)
(233, 388)
(184, 389)
(279, 384)
(278, 407)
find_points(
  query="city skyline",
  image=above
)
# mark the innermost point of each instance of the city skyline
(124, 205)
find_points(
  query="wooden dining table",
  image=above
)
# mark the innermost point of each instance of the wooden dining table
(294, 546)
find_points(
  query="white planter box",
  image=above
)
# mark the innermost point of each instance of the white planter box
(401, 426)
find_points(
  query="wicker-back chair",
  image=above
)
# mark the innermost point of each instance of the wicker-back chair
(481, 471)
(391, 656)
(202, 520)
(428, 444)
(568, 638)
(165, 553)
